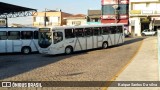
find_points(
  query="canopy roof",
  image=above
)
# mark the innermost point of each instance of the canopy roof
(11, 11)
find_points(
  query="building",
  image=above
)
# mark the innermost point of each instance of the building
(144, 14)
(94, 17)
(50, 18)
(115, 11)
(78, 19)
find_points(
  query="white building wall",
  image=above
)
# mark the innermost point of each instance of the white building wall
(82, 21)
(137, 26)
(148, 8)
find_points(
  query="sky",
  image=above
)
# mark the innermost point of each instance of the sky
(69, 6)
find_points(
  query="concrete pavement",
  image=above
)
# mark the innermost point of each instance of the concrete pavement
(143, 67)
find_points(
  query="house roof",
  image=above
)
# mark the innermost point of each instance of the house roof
(77, 16)
(64, 14)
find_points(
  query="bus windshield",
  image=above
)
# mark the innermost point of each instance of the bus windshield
(45, 39)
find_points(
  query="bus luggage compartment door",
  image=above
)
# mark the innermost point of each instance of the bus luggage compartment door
(3, 46)
(14, 45)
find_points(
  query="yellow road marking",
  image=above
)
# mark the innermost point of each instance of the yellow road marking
(115, 76)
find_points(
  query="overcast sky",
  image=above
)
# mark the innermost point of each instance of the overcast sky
(70, 6)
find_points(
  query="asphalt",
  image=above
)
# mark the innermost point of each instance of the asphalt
(142, 67)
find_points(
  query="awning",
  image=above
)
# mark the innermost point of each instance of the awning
(11, 11)
(123, 21)
(95, 16)
(157, 23)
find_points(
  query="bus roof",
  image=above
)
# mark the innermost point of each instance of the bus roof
(85, 26)
(19, 29)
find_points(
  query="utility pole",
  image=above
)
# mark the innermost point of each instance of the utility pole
(45, 17)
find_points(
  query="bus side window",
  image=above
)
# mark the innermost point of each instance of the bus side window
(96, 31)
(57, 37)
(26, 34)
(13, 35)
(35, 34)
(69, 33)
(119, 29)
(105, 30)
(3, 35)
(88, 32)
(79, 32)
(113, 29)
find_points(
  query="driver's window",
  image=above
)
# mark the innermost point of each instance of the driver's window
(57, 37)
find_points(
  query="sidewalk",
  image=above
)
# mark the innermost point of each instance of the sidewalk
(144, 66)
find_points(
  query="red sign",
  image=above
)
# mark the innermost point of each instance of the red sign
(113, 16)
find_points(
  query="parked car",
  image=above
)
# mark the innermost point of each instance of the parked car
(148, 32)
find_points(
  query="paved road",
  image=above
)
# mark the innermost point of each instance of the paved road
(93, 65)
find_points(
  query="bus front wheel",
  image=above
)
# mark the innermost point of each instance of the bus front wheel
(105, 45)
(68, 50)
(26, 50)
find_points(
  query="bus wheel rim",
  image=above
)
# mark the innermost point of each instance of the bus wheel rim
(68, 50)
(26, 50)
(105, 45)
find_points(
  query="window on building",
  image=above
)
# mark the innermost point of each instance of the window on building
(34, 19)
(123, 9)
(13, 35)
(47, 19)
(96, 19)
(107, 10)
(76, 22)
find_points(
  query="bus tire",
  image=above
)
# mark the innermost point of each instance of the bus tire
(69, 50)
(105, 45)
(26, 50)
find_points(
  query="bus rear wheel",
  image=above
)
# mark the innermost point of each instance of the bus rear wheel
(68, 50)
(105, 45)
(26, 50)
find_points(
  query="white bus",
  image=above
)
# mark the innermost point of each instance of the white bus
(23, 40)
(68, 39)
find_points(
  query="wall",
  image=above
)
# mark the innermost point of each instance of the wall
(82, 21)
(137, 26)
(54, 19)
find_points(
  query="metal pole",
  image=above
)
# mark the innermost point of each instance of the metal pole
(45, 18)
(158, 54)
(115, 16)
